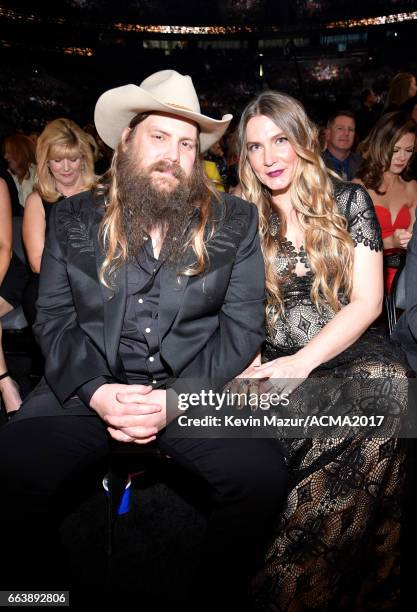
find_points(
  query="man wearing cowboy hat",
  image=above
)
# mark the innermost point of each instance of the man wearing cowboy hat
(149, 281)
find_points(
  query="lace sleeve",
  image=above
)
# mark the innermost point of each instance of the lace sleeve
(355, 203)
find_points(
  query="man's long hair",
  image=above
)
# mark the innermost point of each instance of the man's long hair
(328, 244)
(112, 231)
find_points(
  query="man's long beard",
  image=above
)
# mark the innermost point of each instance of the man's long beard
(146, 207)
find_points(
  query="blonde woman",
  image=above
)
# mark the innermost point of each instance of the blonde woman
(65, 168)
(323, 261)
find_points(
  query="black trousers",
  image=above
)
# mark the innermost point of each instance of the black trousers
(43, 453)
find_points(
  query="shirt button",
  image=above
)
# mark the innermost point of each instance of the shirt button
(151, 358)
(140, 300)
(154, 381)
(148, 330)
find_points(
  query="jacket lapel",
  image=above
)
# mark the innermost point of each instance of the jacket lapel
(173, 287)
(114, 304)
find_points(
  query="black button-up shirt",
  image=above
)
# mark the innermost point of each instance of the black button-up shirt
(139, 338)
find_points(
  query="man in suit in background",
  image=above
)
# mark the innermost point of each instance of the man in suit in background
(340, 138)
(149, 280)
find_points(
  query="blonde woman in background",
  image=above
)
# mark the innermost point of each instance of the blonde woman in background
(65, 167)
(323, 263)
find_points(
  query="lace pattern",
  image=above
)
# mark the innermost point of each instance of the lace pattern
(302, 320)
(356, 206)
(336, 544)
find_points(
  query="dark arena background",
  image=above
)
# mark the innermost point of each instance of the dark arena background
(57, 57)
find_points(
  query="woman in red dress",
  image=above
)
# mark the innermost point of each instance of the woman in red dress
(387, 152)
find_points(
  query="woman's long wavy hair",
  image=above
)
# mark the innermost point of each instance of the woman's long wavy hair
(328, 244)
(62, 138)
(378, 148)
(112, 232)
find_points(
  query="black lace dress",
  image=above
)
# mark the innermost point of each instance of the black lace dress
(336, 542)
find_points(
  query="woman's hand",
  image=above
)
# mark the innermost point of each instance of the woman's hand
(283, 374)
(401, 238)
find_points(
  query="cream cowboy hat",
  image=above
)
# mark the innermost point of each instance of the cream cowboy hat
(166, 91)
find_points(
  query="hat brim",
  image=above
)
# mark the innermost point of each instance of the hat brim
(116, 108)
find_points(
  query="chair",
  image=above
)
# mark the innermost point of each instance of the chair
(125, 461)
(395, 300)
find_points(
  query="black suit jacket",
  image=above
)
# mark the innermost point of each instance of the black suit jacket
(210, 325)
(405, 331)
